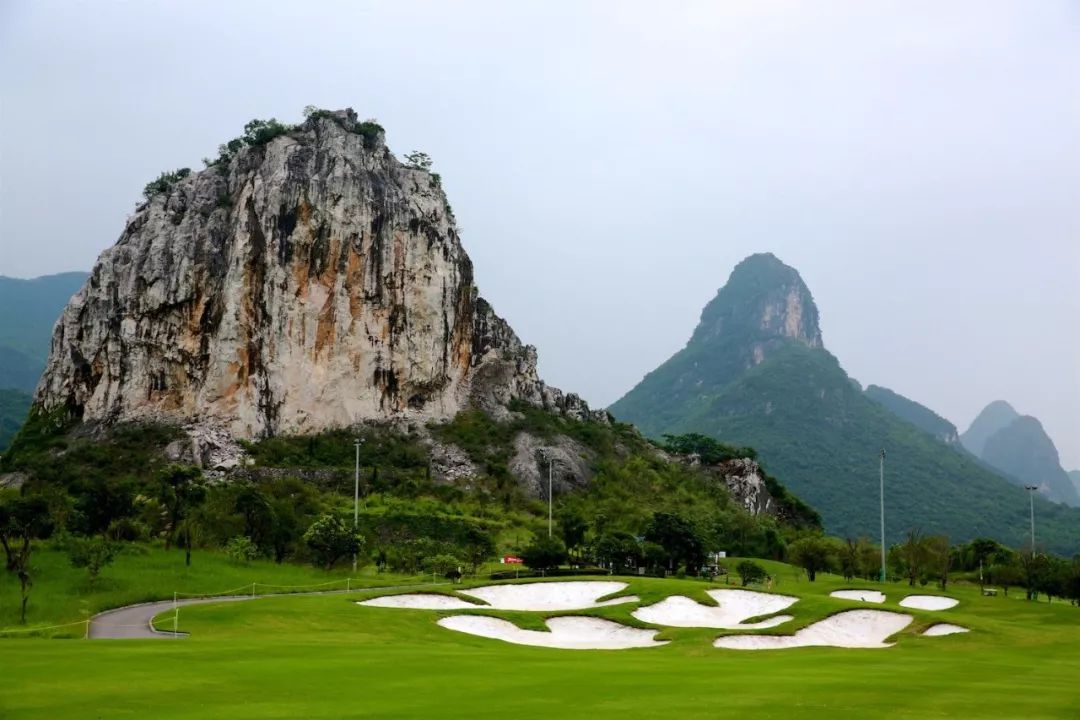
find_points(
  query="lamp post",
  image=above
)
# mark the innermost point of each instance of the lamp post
(882, 478)
(356, 494)
(1031, 497)
(549, 493)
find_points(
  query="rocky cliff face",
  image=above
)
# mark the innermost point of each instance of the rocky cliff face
(764, 303)
(309, 282)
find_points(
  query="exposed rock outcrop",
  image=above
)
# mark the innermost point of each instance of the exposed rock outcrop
(567, 459)
(309, 282)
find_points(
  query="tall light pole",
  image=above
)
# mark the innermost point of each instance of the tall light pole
(356, 495)
(1031, 496)
(882, 476)
(549, 495)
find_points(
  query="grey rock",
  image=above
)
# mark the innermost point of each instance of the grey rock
(314, 282)
(569, 461)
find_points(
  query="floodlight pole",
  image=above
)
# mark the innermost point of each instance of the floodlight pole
(1031, 496)
(356, 495)
(549, 495)
(882, 476)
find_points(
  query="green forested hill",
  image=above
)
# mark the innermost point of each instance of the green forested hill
(14, 405)
(815, 428)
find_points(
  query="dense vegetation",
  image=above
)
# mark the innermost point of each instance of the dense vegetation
(825, 443)
(95, 490)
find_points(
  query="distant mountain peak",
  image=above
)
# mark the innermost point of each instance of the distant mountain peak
(993, 417)
(764, 302)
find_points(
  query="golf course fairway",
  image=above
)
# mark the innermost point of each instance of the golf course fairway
(327, 657)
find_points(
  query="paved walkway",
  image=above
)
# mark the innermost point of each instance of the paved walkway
(134, 621)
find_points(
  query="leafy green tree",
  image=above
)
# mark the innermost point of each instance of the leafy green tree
(679, 538)
(814, 554)
(23, 519)
(750, 572)
(868, 559)
(848, 558)
(99, 502)
(254, 506)
(180, 490)
(1034, 568)
(94, 554)
(914, 555)
(572, 526)
(479, 546)
(443, 564)
(939, 557)
(293, 506)
(544, 553)
(617, 550)
(331, 538)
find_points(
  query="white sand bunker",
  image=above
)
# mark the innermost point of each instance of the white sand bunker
(944, 629)
(420, 601)
(550, 595)
(851, 629)
(928, 602)
(861, 595)
(735, 607)
(567, 633)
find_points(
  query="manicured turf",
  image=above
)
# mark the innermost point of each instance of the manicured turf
(325, 657)
(62, 594)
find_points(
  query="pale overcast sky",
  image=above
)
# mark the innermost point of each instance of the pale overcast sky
(917, 162)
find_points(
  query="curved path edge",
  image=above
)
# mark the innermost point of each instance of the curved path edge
(137, 621)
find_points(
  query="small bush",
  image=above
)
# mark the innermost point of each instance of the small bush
(164, 182)
(241, 549)
(750, 572)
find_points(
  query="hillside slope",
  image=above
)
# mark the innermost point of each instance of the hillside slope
(764, 380)
(918, 415)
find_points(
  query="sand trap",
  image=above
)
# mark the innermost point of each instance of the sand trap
(420, 601)
(735, 607)
(944, 629)
(861, 595)
(928, 602)
(851, 629)
(549, 595)
(567, 633)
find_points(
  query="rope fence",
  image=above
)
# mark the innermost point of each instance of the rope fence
(250, 590)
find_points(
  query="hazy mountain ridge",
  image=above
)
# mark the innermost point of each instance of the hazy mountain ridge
(918, 415)
(814, 427)
(992, 418)
(28, 312)
(1020, 448)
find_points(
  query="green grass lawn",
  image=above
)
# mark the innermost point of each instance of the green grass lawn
(62, 594)
(325, 657)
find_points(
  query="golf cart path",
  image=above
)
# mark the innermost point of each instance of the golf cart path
(136, 621)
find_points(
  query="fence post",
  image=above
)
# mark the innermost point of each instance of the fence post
(252, 589)
(87, 635)
(348, 584)
(175, 622)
